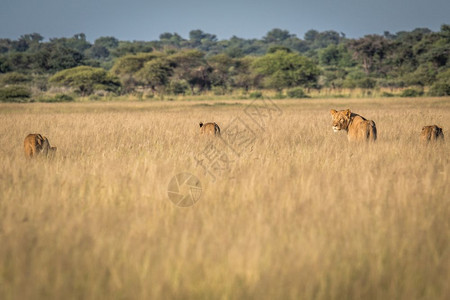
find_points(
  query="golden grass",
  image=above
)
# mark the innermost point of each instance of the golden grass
(300, 214)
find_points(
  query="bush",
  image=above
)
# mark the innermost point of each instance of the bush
(386, 94)
(14, 78)
(439, 89)
(219, 90)
(57, 98)
(280, 96)
(86, 80)
(178, 87)
(94, 97)
(15, 94)
(411, 93)
(256, 95)
(366, 83)
(296, 93)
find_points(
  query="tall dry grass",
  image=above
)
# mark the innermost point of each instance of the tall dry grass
(300, 214)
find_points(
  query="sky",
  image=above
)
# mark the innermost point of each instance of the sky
(145, 20)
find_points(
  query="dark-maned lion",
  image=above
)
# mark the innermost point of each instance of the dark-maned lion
(357, 127)
(209, 128)
(36, 144)
(431, 133)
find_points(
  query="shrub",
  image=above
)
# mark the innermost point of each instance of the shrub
(219, 90)
(439, 89)
(86, 80)
(411, 93)
(57, 98)
(256, 95)
(366, 83)
(178, 87)
(15, 94)
(94, 97)
(386, 94)
(279, 95)
(14, 78)
(296, 93)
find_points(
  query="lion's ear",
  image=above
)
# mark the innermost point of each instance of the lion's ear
(423, 128)
(348, 113)
(201, 124)
(333, 111)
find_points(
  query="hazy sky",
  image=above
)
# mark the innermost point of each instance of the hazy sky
(147, 19)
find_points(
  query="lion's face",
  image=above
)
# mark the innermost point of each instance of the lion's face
(341, 119)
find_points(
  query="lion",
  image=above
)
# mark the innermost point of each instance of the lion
(357, 127)
(431, 133)
(209, 128)
(36, 144)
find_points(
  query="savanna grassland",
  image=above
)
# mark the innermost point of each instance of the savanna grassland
(295, 213)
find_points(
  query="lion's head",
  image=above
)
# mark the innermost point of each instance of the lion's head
(341, 119)
(46, 148)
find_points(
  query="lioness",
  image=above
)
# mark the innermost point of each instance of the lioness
(431, 133)
(35, 144)
(209, 128)
(357, 127)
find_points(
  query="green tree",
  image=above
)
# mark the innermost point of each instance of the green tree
(97, 52)
(32, 40)
(191, 67)
(108, 42)
(370, 50)
(56, 57)
(284, 70)
(156, 74)
(311, 35)
(277, 35)
(127, 66)
(4, 64)
(78, 42)
(197, 37)
(171, 40)
(222, 68)
(329, 56)
(5, 45)
(276, 48)
(242, 75)
(86, 79)
(20, 61)
(126, 48)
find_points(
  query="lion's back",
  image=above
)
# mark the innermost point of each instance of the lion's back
(362, 129)
(431, 133)
(30, 144)
(210, 128)
(34, 144)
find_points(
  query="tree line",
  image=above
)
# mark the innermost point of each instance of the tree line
(280, 61)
